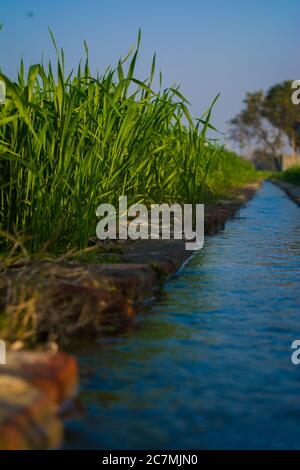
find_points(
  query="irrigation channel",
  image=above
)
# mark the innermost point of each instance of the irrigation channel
(209, 364)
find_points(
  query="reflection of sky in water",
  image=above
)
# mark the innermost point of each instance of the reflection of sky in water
(209, 366)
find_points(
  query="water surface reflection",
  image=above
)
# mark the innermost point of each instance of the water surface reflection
(209, 366)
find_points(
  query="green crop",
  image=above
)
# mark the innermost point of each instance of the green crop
(71, 142)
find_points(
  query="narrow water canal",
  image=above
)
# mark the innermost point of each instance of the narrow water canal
(209, 366)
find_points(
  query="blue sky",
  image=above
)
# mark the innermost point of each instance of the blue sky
(225, 46)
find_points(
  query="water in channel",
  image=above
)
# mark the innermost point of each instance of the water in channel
(208, 366)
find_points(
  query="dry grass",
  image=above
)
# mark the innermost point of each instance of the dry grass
(52, 301)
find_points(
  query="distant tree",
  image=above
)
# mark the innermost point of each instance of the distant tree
(282, 113)
(268, 121)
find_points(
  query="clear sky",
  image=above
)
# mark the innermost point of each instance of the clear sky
(210, 46)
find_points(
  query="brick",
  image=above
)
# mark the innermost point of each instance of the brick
(55, 374)
(27, 418)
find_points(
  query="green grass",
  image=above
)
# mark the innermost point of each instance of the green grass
(291, 175)
(70, 142)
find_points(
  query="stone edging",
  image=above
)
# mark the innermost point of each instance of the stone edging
(292, 190)
(34, 386)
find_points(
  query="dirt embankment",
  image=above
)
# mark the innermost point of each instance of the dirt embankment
(46, 302)
(292, 190)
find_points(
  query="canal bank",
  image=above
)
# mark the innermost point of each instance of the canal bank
(291, 190)
(48, 300)
(103, 298)
(208, 366)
